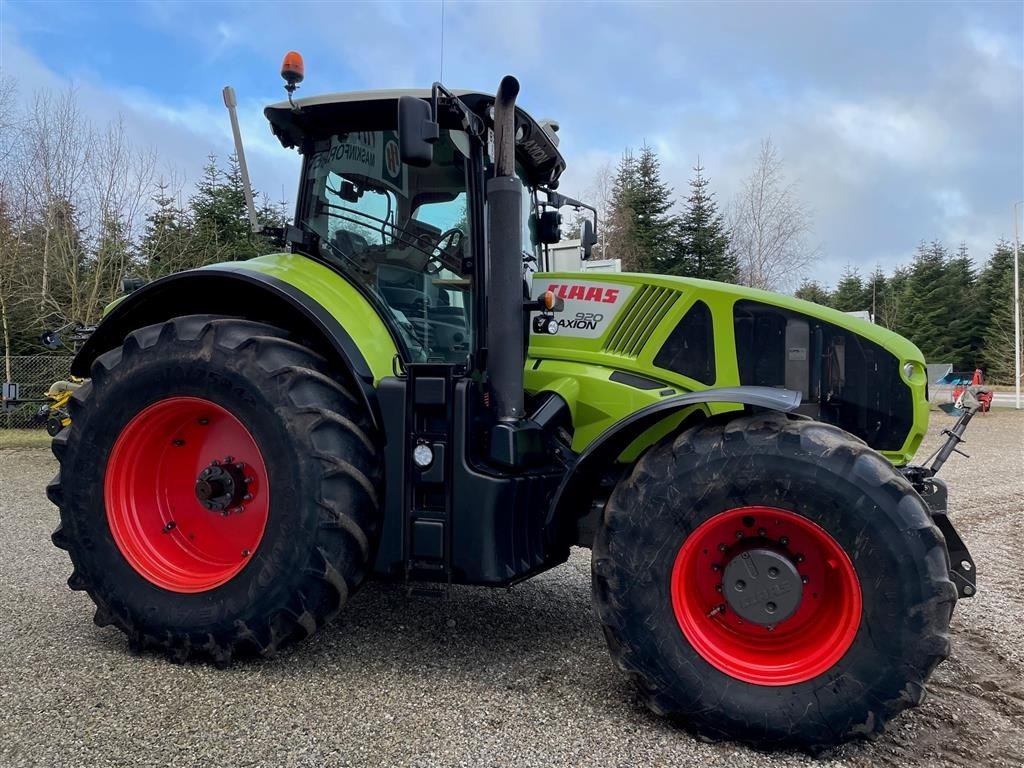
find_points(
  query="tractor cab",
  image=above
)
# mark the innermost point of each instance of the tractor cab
(410, 235)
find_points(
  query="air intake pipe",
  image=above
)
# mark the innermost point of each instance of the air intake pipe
(505, 355)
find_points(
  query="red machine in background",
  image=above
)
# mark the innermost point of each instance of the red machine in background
(961, 385)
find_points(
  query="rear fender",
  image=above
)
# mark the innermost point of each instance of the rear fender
(580, 486)
(246, 291)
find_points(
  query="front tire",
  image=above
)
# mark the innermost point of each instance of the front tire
(774, 582)
(218, 489)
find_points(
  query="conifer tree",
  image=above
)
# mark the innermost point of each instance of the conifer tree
(850, 295)
(995, 312)
(812, 290)
(166, 240)
(926, 312)
(963, 334)
(639, 225)
(701, 242)
(652, 223)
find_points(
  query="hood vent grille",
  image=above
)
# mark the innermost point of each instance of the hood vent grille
(646, 309)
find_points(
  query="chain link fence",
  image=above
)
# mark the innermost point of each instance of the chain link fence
(35, 374)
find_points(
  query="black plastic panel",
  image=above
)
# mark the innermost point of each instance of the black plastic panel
(854, 382)
(690, 349)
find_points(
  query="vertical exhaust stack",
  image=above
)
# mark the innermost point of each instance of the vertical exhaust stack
(505, 358)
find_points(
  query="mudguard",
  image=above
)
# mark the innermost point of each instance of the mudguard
(247, 290)
(573, 497)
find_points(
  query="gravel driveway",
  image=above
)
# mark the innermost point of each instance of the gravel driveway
(489, 677)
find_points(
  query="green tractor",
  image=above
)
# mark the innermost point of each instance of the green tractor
(404, 394)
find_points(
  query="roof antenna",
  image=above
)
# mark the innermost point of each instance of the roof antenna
(441, 78)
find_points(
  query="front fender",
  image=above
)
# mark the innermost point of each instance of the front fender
(573, 498)
(285, 290)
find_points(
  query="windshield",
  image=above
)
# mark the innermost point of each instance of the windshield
(401, 232)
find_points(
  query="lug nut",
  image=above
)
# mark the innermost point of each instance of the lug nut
(784, 541)
(762, 532)
(722, 547)
(247, 497)
(739, 534)
(716, 567)
(804, 579)
(177, 442)
(799, 558)
(169, 527)
(246, 553)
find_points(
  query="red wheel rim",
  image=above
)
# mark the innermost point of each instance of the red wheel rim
(799, 648)
(155, 516)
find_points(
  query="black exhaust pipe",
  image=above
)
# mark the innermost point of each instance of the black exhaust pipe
(505, 357)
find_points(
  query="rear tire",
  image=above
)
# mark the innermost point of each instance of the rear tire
(870, 625)
(300, 531)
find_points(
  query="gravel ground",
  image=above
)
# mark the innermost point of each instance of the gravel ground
(489, 677)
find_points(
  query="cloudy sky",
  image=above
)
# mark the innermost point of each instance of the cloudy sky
(900, 122)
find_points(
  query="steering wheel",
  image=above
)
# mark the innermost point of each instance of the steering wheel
(445, 254)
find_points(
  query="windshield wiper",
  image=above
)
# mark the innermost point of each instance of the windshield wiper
(399, 234)
(321, 240)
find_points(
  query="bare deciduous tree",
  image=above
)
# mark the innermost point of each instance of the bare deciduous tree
(599, 195)
(72, 198)
(770, 226)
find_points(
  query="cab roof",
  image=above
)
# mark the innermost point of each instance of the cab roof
(322, 116)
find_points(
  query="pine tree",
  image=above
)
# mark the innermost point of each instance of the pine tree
(963, 336)
(890, 304)
(639, 225)
(219, 218)
(652, 201)
(926, 311)
(621, 242)
(108, 265)
(701, 242)
(811, 290)
(165, 246)
(874, 292)
(995, 313)
(850, 295)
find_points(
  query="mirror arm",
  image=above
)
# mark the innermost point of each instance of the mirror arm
(558, 200)
(471, 122)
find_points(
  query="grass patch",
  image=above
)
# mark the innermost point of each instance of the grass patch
(24, 438)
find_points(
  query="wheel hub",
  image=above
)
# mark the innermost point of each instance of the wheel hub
(221, 487)
(762, 586)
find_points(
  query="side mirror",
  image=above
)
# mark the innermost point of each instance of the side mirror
(588, 239)
(549, 227)
(417, 131)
